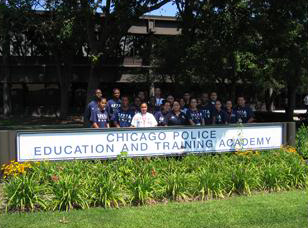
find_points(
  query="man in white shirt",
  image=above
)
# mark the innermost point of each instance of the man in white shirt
(144, 118)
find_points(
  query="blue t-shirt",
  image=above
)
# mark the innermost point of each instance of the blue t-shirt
(112, 106)
(173, 119)
(220, 117)
(90, 108)
(195, 116)
(244, 113)
(100, 117)
(161, 118)
(232, 116)
(123, 117)
(207, 113)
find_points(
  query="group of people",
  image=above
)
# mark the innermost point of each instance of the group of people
(159, 111)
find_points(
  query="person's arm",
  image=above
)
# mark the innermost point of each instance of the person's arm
(202, 121)
(108, 125)
(251, 116)
(214, 120)
(95, 125)
(133, 123)
(189, 119)
(154, 121)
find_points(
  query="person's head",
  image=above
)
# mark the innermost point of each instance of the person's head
(193, 103)
(116, 93)
(213, 96)
(137, 101)
(186, 97)
(170, 98)
(166, 106)
(102, 103)
(176, 107)
(204, 98)
(98, 93)
(157, 92)
(152, 101)
(241, 101)
(143, 107)
(229, 105)
(218, 105)
(125, 101)
(141, 95)
(182, 102)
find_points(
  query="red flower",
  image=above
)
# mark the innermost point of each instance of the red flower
(54, 178)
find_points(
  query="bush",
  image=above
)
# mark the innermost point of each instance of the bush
(127, 181)
(302, 141)
(24, 193)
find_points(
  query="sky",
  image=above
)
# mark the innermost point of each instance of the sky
(167, 10)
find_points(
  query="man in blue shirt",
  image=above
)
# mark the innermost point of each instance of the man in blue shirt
(245, 114)
(161, 116)
(123, 117)
(206, 109)
(91, 107)
(115, 103)
(99, 117)
(232, 116)
(220, 116)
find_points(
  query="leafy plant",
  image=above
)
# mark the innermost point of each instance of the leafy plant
(24, 193)
(68, 193)
(302, 141)
(107, 191)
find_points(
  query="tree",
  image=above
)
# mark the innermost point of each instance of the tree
(105, 31)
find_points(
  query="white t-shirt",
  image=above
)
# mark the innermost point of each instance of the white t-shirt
(144, 120)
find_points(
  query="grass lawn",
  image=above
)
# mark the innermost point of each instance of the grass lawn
(285, 209)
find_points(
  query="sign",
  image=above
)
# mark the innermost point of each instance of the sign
(109, 143)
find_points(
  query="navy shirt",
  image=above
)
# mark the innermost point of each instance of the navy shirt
(100, 117)
(161, 118)
(112, 106)
(244, 113)
(220, 117)
(90, 108)
(232, 116)
(195, 116)
(207, 113)
(173, 119)
(124, 117)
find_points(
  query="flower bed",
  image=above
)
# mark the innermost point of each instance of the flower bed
(126, 181)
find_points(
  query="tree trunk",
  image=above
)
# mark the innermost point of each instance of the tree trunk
(64, 76)
(291, 102)
(6, 75)
(93, 82)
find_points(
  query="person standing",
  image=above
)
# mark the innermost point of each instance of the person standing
(158, 97)
(176, 117)
(91, 107)
(206, 109)
(123, 116)
(244, 113)
(220, 116)
(144, 118)
(161, 116)
(115, 103)
(99, 116)
(194, 116)
(231, 113)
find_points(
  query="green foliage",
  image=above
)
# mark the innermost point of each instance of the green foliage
(69, 193)
(24, 193)
(140, 181)
(302, 141)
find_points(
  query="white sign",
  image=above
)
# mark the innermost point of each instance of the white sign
(89, 144)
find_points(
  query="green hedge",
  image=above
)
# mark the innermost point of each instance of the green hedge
(126, 181)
